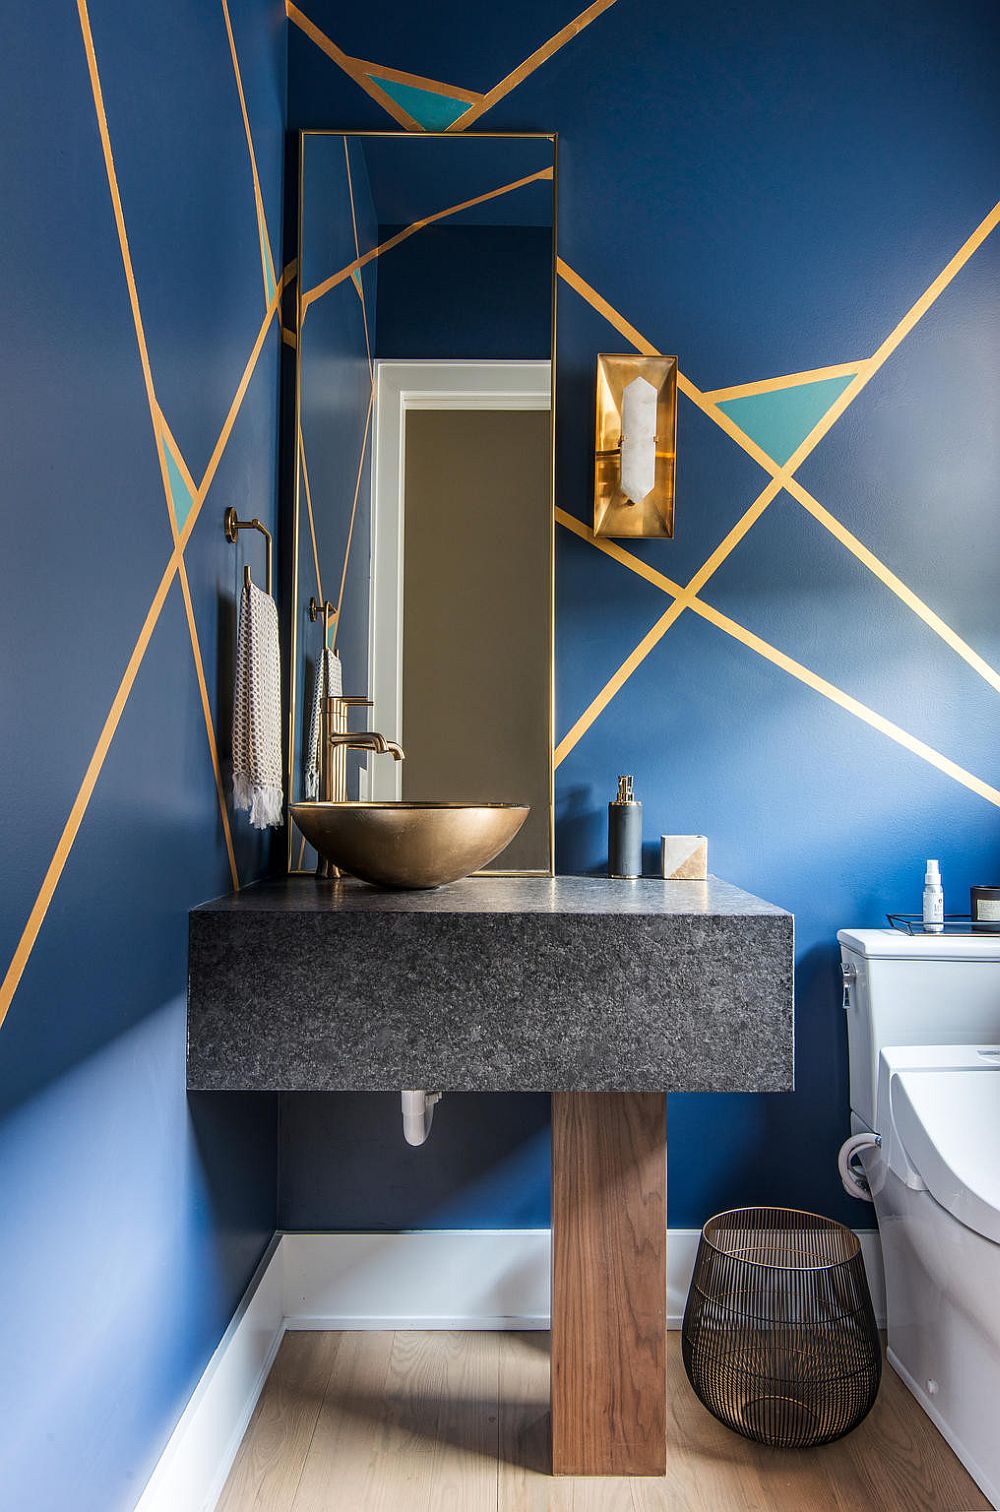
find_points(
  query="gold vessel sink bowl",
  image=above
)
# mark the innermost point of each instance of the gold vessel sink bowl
(409, 845)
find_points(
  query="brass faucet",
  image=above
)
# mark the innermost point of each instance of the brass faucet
(337, 740)
(366, 740)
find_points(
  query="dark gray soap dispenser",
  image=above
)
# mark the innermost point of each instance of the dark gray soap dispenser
(625, 832)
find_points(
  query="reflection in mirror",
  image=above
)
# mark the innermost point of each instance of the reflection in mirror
(424, 473)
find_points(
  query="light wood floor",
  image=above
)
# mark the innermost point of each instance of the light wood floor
(450, 1422)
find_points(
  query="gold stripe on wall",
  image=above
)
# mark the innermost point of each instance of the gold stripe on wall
(788, 380)
(732, 539)
(309, 511)
(154, 413)
(357, 252)
(770, 653)
(234, 409)
(53, 873)
(209, 726)
(866, 369)
(616, 682)
(618, 553)
(416, 81)
(845, 701)
(50, 881)
(350, 67)
(119, 214)
(684, 599)
(165, 438)
(267, 261)
(597, 302)
(354, 510)
(163, 429)
(893, 583)
(865, 372)
(920, 307)
(318, 290)
(361, 70)
(782, 476)
(535, 60)
(71, 828)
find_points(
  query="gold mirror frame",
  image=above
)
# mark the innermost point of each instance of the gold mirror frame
(291, 829)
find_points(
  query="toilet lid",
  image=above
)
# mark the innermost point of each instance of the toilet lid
(949, 1122)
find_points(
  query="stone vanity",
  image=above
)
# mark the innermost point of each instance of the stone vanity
(495, 984)
(608, 994)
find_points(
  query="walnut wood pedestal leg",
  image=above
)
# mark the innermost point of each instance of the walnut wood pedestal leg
(609, 1283)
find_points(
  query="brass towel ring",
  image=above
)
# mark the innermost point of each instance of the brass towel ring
(233, 525)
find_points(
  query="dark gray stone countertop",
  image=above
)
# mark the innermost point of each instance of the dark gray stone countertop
(478, 895)
(492, 984)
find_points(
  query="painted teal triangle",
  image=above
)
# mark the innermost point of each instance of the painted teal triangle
(433, 111)
(268, 280)
(780, 421)
(356, 275)
(180, 495)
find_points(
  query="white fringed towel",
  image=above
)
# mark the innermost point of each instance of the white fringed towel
(257, 711)
(329, 683)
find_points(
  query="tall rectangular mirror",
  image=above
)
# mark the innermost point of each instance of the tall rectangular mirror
(423, 492)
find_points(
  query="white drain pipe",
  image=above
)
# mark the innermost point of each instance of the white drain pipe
(855, 1183)
(418, 1115)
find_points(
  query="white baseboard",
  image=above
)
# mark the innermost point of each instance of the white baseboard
(192, 1470)
(460, 1278)
(444, 1278)
(426, 1279)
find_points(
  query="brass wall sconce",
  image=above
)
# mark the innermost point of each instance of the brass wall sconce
(636, 446)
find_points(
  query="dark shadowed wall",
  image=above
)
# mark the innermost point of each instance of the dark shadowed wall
(484, 291)
(799, 203)
(139, 360)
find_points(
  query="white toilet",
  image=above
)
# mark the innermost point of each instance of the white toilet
(923, 1021)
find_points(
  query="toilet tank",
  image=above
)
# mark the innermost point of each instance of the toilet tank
(914, 990)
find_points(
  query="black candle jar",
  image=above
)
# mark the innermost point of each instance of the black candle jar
(984, 906)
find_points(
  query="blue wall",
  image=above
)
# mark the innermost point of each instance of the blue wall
(133, 1216)
(764, 190)
(485, 292)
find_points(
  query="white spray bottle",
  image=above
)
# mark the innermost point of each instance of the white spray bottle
(933, 899)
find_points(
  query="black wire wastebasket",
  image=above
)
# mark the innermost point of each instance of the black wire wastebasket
(780, 1341)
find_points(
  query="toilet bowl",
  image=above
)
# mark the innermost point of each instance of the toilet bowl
(923, 1020)
(936, 1185)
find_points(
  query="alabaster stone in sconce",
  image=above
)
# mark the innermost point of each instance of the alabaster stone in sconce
(635, 447)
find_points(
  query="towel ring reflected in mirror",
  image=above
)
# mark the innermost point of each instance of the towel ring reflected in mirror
(328, 613)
